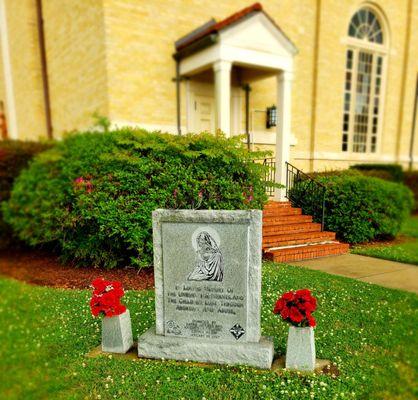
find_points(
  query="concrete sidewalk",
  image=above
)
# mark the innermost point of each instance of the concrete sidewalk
(367, 269)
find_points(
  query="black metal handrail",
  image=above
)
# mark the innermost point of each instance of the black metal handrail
(304, 186)
(299, 186)
(269, 174)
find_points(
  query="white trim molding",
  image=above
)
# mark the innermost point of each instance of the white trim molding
(10, 105)
(222, 71)
(283, 130)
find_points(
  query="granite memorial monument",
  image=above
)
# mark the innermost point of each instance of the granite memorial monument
(207, 267)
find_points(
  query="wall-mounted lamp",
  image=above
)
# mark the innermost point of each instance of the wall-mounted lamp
(271, 117)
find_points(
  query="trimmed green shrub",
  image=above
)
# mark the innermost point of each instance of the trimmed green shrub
(411, 180)
(359, 208)
(92, 195)
(14, 156)
(390, 172)
(336, 172)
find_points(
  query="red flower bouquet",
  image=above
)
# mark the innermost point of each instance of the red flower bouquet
(297, 308)
(106, 298)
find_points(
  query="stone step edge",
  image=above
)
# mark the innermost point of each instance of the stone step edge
(305, 250)
(295, 246)
(296, 241)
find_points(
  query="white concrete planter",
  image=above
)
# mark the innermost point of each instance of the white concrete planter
(300, 352)
(117, 333)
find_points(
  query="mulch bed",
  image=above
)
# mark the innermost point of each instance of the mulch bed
(401, 239)
(44, 269)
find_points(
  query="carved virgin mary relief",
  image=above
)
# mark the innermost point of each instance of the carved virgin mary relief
(209, 262)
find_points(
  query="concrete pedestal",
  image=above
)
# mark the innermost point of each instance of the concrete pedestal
(300, 352)
(117, 333)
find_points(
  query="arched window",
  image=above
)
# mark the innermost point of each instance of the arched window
(364, 78)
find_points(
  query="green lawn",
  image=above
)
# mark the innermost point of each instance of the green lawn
(410, 228)
(406, 252)
(368, 331)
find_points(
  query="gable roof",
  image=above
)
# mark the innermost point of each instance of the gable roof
(212, 28)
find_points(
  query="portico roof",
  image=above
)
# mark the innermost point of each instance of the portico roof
(208, 33)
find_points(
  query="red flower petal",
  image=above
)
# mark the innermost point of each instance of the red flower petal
(284, 313)
(295, 315)
(289, 296)
(278, 306)
(303, 293)
(296, 307)
(106, 298)
(311, 321)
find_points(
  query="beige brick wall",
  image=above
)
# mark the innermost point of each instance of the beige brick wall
(140, 44)
(140, 41)
(115, 57)
(410, 87)
(75, 45)
(141, 89)
(26, 71)
(2, 84)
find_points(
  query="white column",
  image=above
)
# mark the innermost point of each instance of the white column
(8, 78)
(283, 131)
(222, 70)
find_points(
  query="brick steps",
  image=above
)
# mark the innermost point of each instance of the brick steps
(286, 220)
(274, 205)
(277, 212)
(294, 228)
(306, 252)
(290, 236)
(289, 239)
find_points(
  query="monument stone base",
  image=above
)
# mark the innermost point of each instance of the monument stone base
(258, 355)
